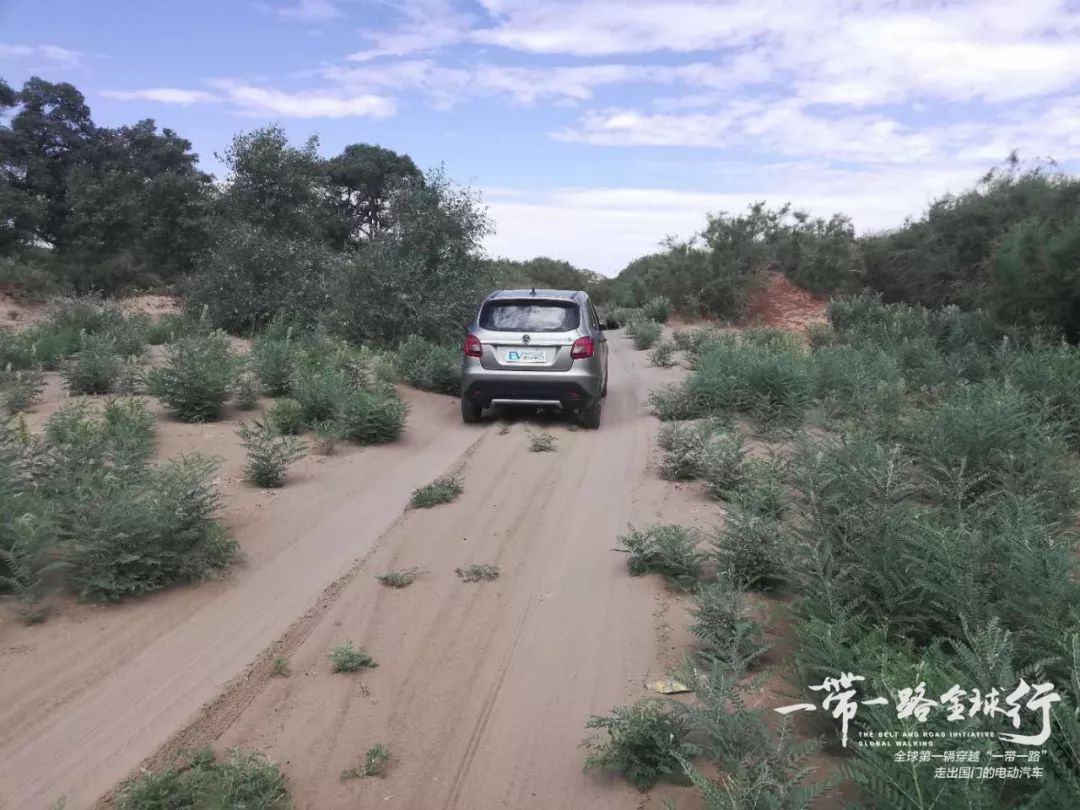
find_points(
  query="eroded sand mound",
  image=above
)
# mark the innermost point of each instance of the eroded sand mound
(784, 305)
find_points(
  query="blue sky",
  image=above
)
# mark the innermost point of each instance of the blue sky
(595, 128)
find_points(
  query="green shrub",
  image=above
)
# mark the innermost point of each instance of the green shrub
(286, 416)
(322, 393)
(245, 389)
(657, 309)
(344, 658)
(20, 389)
(691, 341)
(400, 579)
(442, 490)
(272, 357)
(762, 489)
(750, 375)
(721, 464)
(749, 549)
(478, 572)
(327, 434)
(643, 743)
(987, 438)
(665, 549)
(128, 534)
(132, 378)
(674, 402)
(662, 354)
(722, 621)
(373, 417)
(247, 779)
(375, 759)
(269, 454)
(686, 448)
(25, 562)
(95, 368)
(196, 378)
(644, 333)
(430, 367)
(757, 768)
(129, 334)
(167, 328)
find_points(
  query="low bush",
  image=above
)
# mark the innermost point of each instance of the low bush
(666, 549)
(478, 572)
(373, 417)
(246, 779)
(721, 466)
(269, 454)
(723, 623)
(442, 490)
(196, 378)
(344, 658)
(657, 309)
(643, 743)
(686, 446)
(749, 549)
(20, 389)
(762, 489)
(327, 434)
(644, 333)
(167, 328)
(400, 579)
(273, 359)
(95, 368)
(286, 416)
(374, 764)
(663, 354)
(128, 534)
(322, 393)
(245, 389)
(430, 367)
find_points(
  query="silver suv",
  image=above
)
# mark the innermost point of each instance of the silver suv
(535, 347)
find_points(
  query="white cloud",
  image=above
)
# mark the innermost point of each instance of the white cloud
(311, 11)
(256, 101)
(603, 229)
(427, 25)
(53, 55)
(163, 95)
(784, 127)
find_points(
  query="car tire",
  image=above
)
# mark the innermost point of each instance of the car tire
(471, 413)
(590, 417)
(603, 391)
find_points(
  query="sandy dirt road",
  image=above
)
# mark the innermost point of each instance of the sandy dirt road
(482, 690)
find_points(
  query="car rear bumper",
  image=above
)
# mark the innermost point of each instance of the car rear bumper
(571, 390)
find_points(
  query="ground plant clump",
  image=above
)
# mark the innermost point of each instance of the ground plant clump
(440, 491)
(345, 658)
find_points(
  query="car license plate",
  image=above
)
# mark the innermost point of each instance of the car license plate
(526, 357)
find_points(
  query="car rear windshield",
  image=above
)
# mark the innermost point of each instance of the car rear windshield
(529, 316)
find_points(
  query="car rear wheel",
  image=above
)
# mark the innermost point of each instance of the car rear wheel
(470, 412)
(590, 417)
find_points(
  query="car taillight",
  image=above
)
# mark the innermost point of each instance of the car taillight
(582, 348)
(473, 347)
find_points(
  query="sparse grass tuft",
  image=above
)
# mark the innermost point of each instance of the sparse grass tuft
(442, 490)
(375, 761)
(478, 572)
(400, 579)
(542, 442)
(279, 668)
(344, 658)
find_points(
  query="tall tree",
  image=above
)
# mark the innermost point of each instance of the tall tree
(361, 180)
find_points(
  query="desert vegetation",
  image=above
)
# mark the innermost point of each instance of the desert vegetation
(916, 509)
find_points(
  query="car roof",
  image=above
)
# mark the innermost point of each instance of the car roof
(566, 295)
